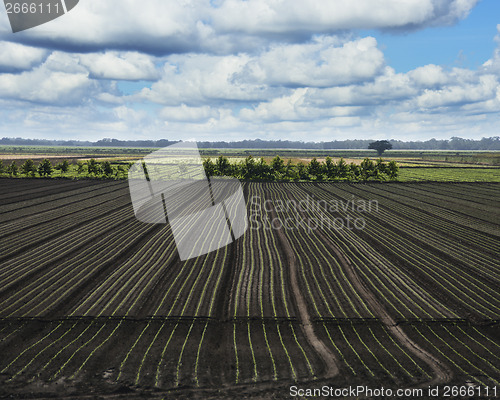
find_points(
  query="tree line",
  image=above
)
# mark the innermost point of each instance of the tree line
(45, 169)
(248, 169)
(258, 169)
(454, 143)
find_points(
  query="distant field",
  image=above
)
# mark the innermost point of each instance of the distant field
(452, 174)
(415, 165)
(465, 156)
(46, 151)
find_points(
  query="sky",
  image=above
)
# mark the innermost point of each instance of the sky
(310, 70)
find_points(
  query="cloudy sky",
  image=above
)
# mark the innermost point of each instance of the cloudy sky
(311, 70)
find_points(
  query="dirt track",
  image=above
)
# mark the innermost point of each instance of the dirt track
(327, 356)
(442, 373)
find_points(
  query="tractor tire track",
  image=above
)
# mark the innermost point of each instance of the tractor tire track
(329, 359)
(442, 373)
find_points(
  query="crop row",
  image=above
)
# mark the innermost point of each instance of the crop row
(426, 265)
(103, 297)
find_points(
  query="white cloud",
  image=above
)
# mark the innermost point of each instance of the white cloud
(45, 86)
(280, 109)
(278, 16)
(164, 27)
(484, 89)
(131, 66)
(295, 107)
(255, 68)
(493, 64)
(429, 76)
(18, 57)
(188, 114)
(326, 61)
(387, 87)
(59, 80)
(196, 79)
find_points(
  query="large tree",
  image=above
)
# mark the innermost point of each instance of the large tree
(380, 146)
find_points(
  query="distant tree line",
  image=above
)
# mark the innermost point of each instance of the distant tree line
(258, 169)
(455, 143)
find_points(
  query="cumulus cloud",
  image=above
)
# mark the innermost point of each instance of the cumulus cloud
(484, 89)
(16, 57)
(188, 114)
(59, 80)
(429, 76)
(387, 87)
(45, 86)
(277, 16)
(493, 64)
(228, 69)
(130, 66)
(195, 79)
(284, 108)
(326, 61)
(164, 27)
(296, 106)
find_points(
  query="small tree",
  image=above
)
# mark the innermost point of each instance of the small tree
(120, 171)
(93, 167)
(107, 169)
(63, 166)
(278, 166)
(262, 170)
(223, 166)
(247, 168)
(329, 168)
(2, 167)
(380, 146)
(342, 169)
(354, 171)
(28, 168)
(381, 166)
(368, 169)
(392, 170)
(12, 169)
(290, 172)
(80, 167)
(45, 168)
(209, 167)
(315, 169)
(302, 171)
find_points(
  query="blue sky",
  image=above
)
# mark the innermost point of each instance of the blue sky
(468, 43)
(269, 69)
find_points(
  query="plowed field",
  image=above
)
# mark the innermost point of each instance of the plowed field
(393, 285)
